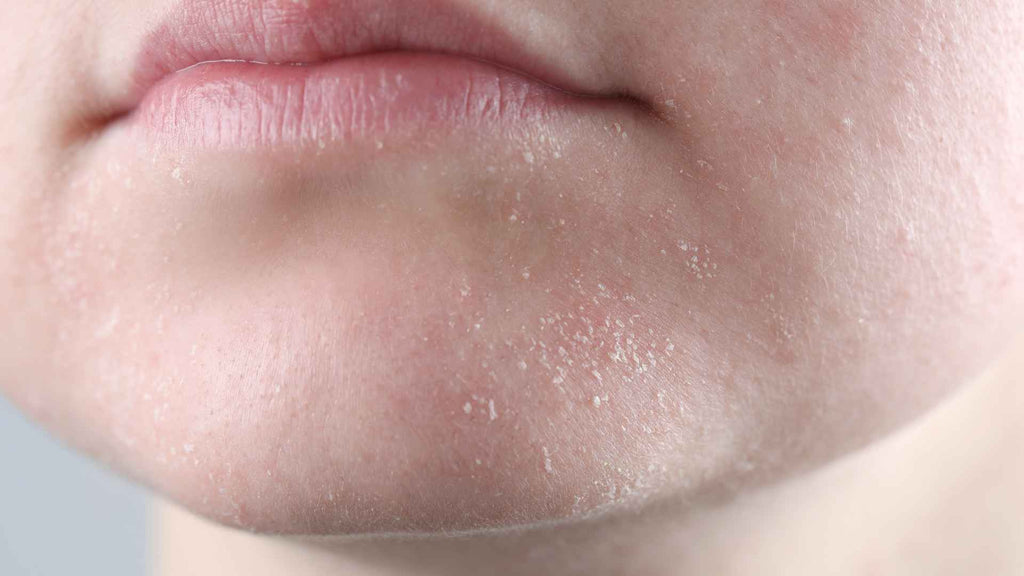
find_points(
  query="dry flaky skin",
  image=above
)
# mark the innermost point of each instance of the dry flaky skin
(813, 235)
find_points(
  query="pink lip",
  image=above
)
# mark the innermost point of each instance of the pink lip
(259, 73)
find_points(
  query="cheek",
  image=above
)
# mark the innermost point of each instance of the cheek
(888, 217)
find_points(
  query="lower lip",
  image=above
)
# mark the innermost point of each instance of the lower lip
(371, 99)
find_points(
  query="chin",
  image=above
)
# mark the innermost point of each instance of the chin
(504, 351)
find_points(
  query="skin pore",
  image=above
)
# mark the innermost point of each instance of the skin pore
(632, 314)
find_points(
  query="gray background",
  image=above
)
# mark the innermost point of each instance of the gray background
(60, 514)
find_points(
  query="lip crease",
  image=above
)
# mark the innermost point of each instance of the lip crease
(265, 73)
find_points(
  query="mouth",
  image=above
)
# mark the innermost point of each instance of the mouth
(315, 73)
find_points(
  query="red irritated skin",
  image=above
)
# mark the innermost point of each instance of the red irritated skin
(364, 268)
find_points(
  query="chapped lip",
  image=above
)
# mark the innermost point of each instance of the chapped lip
(256, 73)
(309, 32)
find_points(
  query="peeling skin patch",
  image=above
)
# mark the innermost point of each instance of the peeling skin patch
(576, 350)
(569, 356)
(780, 324)
(698, 260)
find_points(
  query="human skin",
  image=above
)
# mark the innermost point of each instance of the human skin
(941, 496)
(794, 228)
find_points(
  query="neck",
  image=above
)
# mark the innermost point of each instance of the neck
(941, 496)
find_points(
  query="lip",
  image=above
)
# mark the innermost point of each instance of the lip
(256, 73)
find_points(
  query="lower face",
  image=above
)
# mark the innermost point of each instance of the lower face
(488, 321)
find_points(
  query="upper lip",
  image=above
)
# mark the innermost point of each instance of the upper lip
(313, 31)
